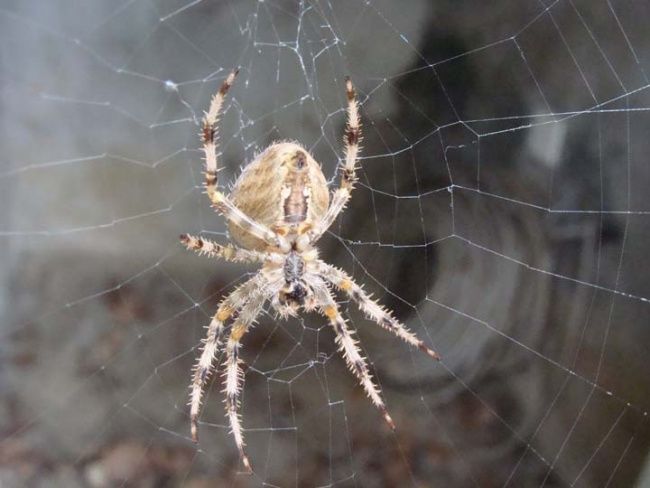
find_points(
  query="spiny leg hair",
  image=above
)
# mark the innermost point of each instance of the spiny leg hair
(220, 201)
(207, 247)
(234, 376)
(373, 311)
(349, 349)
(229, 306)
(351, 140)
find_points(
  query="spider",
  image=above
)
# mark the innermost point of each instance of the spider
(278, 208)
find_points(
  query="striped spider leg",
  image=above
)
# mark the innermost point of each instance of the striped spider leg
(213, 341)
(207, 247)
(233, 375)
(351, 140)
(243, 305)
(220, 201)
(348, 345)
(372, 310)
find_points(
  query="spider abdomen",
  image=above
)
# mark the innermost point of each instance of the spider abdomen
(282, 186)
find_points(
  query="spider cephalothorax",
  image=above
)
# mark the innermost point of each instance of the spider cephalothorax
(277, 210)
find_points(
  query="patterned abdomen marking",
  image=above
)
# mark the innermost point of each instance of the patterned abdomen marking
(297, 184)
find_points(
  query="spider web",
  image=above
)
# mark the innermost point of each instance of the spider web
(502, 212)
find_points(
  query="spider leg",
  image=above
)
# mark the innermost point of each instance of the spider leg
(220, 201)
(213, 249)
(233, 374)
(373, 311)
(351, 139)
(228, 306)
(348, 347)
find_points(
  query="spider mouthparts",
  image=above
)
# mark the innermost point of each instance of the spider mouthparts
(294, 295)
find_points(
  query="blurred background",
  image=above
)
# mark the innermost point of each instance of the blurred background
(502, 212)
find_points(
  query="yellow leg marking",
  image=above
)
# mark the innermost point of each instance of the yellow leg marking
(224, 313)
(281, 230)
(331, 312)
(345, 285)
(238, 331)
(305, 227)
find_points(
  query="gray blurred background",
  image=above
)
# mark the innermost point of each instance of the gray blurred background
(502, 213)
